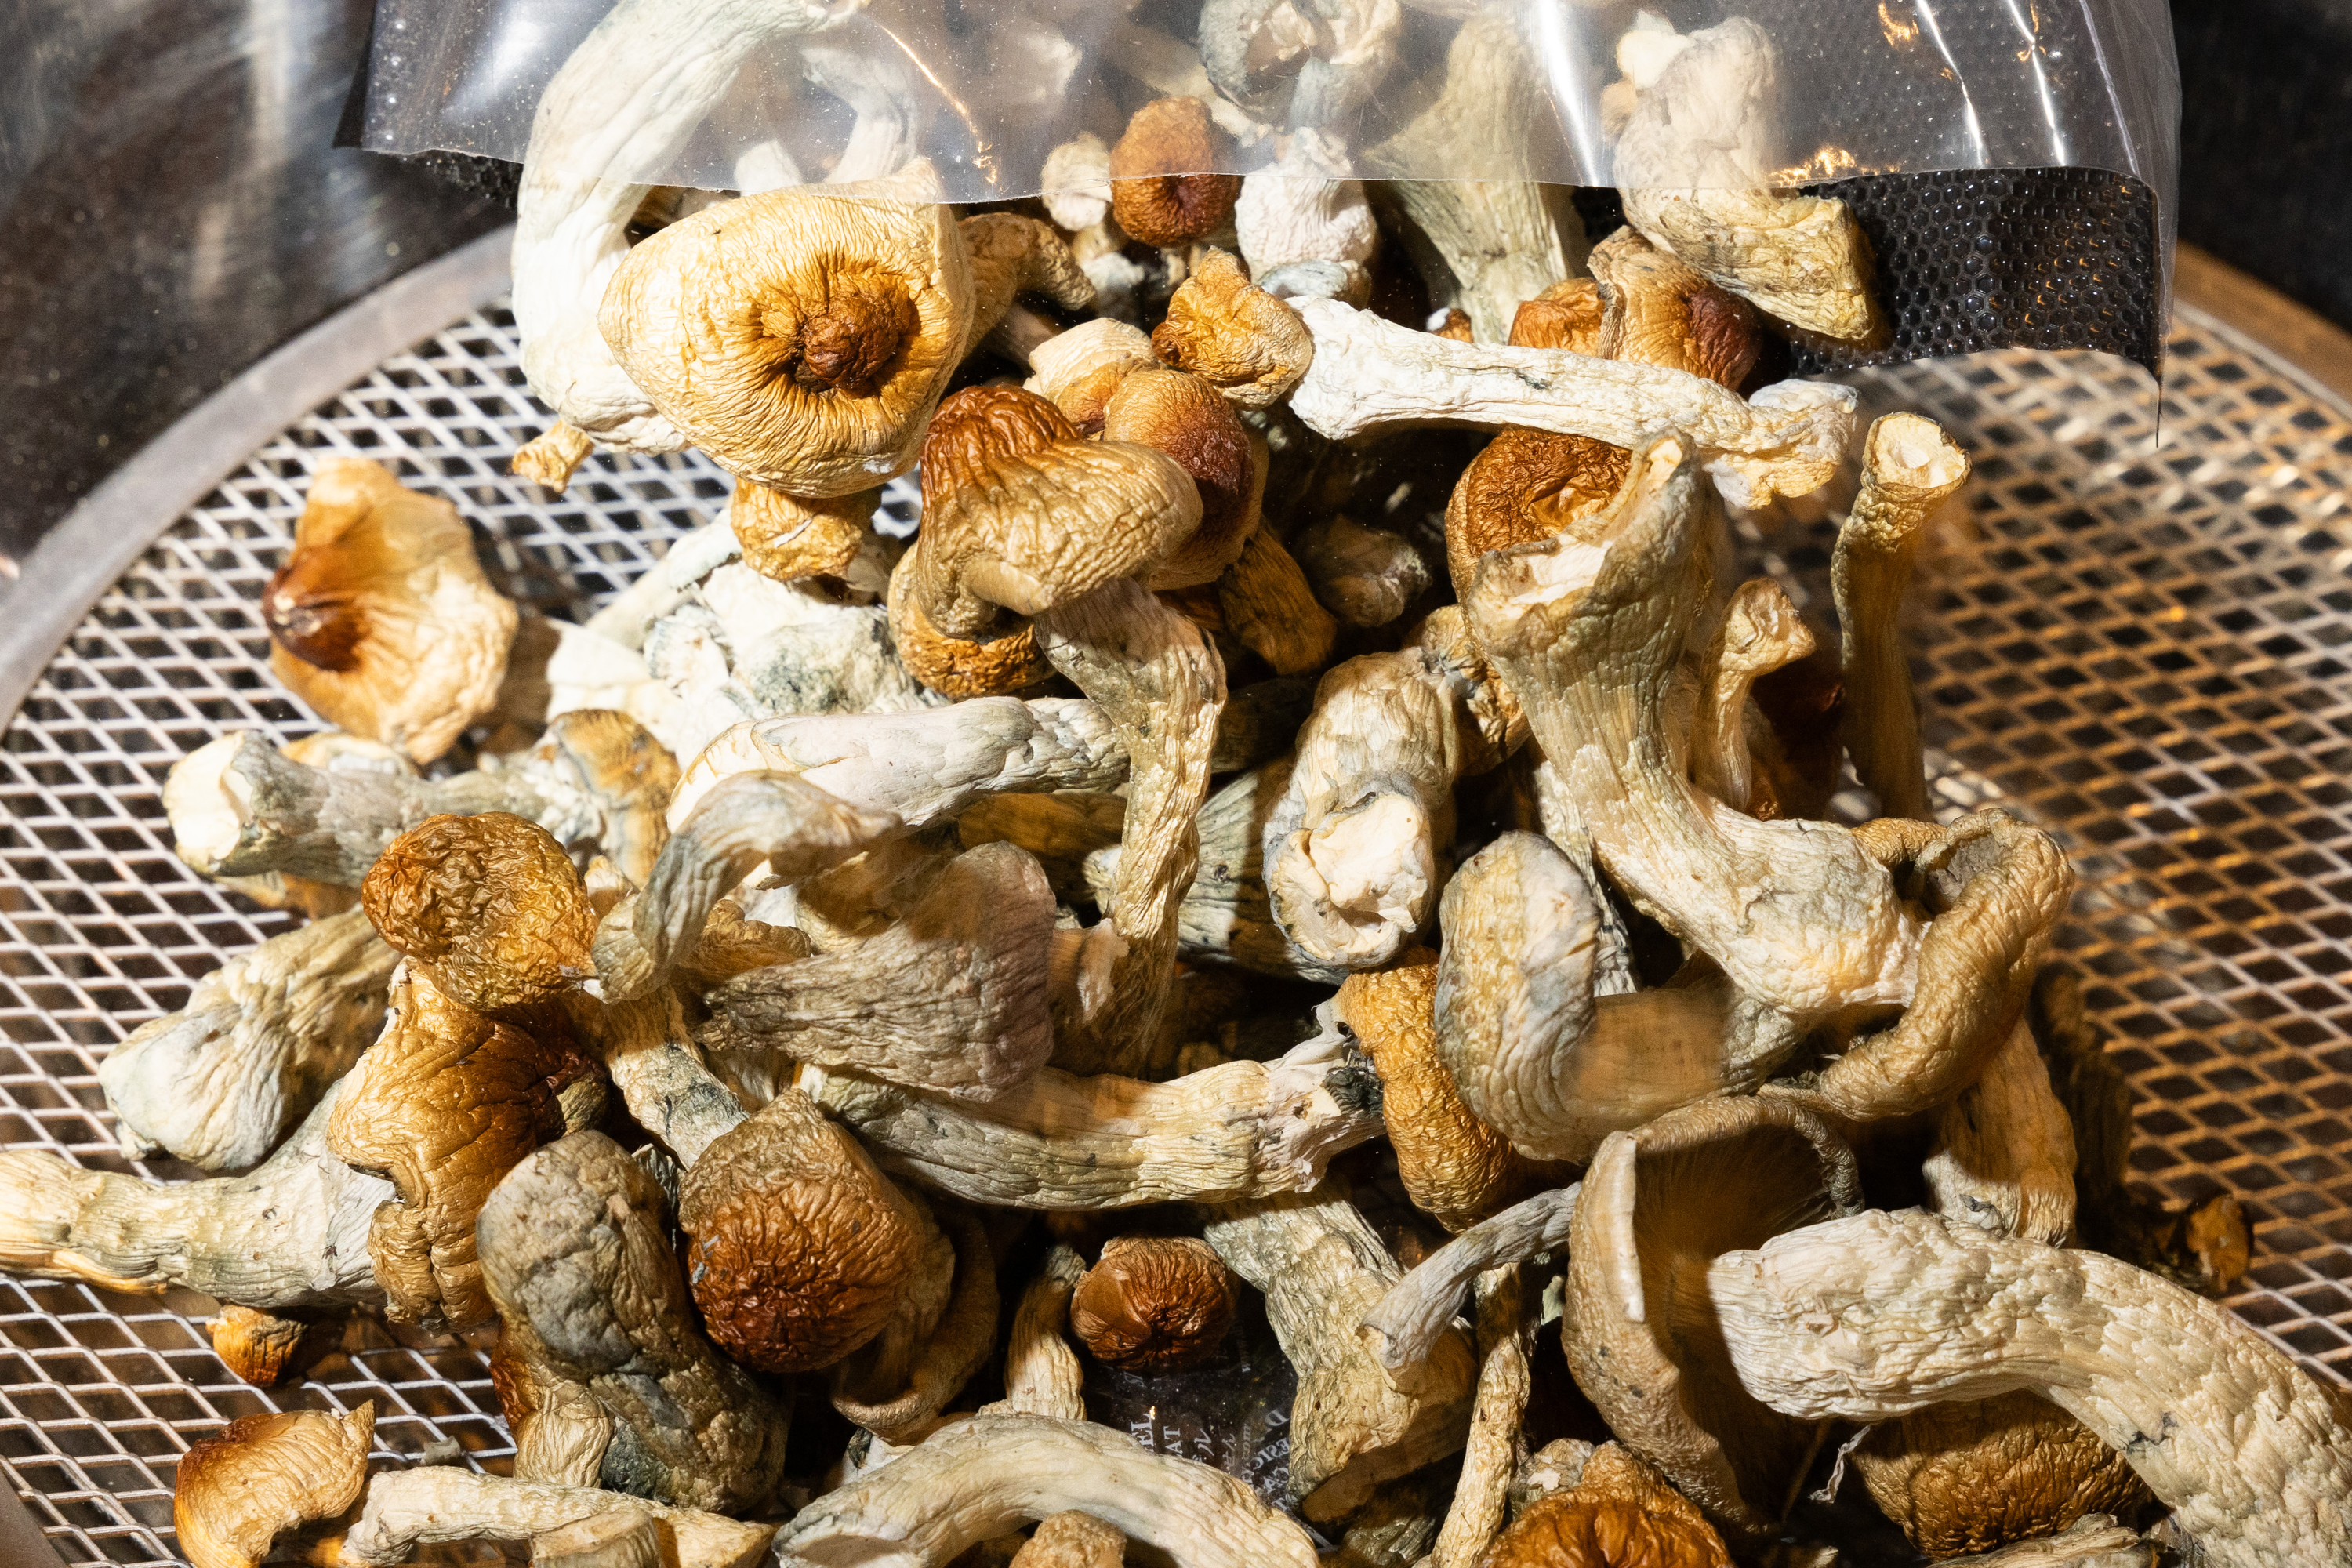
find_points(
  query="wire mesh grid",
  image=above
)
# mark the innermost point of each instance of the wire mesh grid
(2141, 648)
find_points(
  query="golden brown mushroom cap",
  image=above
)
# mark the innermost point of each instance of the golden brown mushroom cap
(252, 1345)
(1182, 415)
(1161, 191)
(1619, 1514)
(1243, 341)
(1527, 485)
(1565, 316)
(959, 667)
(381, 618)
(489, 906)
(1659, 311)
(1976, 1475)
(1154, 1303)
(1014, 521)
(800, 337)
(263, 1474)
(798, 1247)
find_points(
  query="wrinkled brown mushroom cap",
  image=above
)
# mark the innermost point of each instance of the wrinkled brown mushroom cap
(381, 618)
(629, 775)
(1173, 412)
(1659, 311)
(798, 1247)
(1658, 1205)
(1976, 1475)
(1249, 345)
(254, 1346)
(1619, 1514)
(489, 906)
(1016, 523)
(800, 337)
(1154, 1303)
(259, 1475)
(959, 667)
(1568, 315)
(1161, 191)
(1526, 485)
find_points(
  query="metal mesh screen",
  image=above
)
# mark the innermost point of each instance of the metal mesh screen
(2142, 650)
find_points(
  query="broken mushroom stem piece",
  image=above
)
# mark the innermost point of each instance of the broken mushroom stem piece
(1872, 1316)
(1408, 1323)
(432, 1504)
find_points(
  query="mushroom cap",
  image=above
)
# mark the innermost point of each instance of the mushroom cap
(1526, 485)
(798, 1247)
(959, 667)
(1619, 1514)
(1015, 522)
(1079, 370)
(1163, 190)
(1251, 346)
(262, 1474)
(1454, 1166)
(381, 618)
(1973, 1476)
(1072, 1540)
(1658, 1205)
(1154, 1303)
(489, 906)
(1173, 412)
(800, 337)
(254, 1346)
(1659, 311)
(629, 775)
(787, 537)
(1568, 315)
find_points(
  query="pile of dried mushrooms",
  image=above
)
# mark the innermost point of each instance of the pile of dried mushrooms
(1306, 841)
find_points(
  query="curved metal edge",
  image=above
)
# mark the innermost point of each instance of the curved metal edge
(96, 542)
(2315, 348)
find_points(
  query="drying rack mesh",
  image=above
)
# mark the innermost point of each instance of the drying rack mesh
(2141, 648)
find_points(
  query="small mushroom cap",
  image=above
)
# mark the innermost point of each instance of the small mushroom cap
(798, 1247)
(489, 906)
(1025, 527)
(1976, 1475)
(1154, 1303)
(1072, 1540)
(1162, 188)
(800, 337)
(1249, 345)
(1526, 485)
(1568, 315)
(1658, 1205)
(381, 618)
(1079, 370)
(626, 771)
(786, 537)
(263, 1474)
(959, 667)
(1659, 311)
(254, 1346)
(1619, 1514)
(1182, 415)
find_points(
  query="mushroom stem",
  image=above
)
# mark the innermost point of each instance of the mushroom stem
(239, 807)
(1762, 631)
(746, 819)
(952, 998)
(1910, 468)
(1491, 237)
(1410, 1320)
(1272, 610)
(1351, 850)
(1159, 680)
(1041, 1374)
(549, 458)
(1351, 1426)
(293, 1233)
(1012, 255)
(222, 1081)
(1370, 375)
(667, 1089)
(1492, 1456)
(1002, 1471)
(602, 1540)
(575, 1255)
(404, 1510)
(939, 1351)
(1878, 1314)
(1536, 1053)
(1239, 1130)
(2003, 1158)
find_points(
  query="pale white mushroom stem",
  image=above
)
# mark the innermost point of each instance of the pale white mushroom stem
(432, 1504)
(1041, 1374)
(1491, 1458)
(982, 1479)
(1370, 375)
(1877, 1315)
(1762, 632)
(648, 1048)
(1418, 1309)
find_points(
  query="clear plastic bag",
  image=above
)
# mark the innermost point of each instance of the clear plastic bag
(741, 94)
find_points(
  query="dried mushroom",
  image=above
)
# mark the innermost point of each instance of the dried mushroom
(1971, 1476)
(1154, 1303)
(1182, 414)
(488, 908)
(1878, 1314)
(1490, 1457)
(432, 1504)
(255, 1346)
(1072, 1540)
(237, 1490)
(1619, 1513)
(574, 1254)
(1164, 187)
(1041, 1374)
(1408, 1323)
(1235, 335)
(381, 618)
